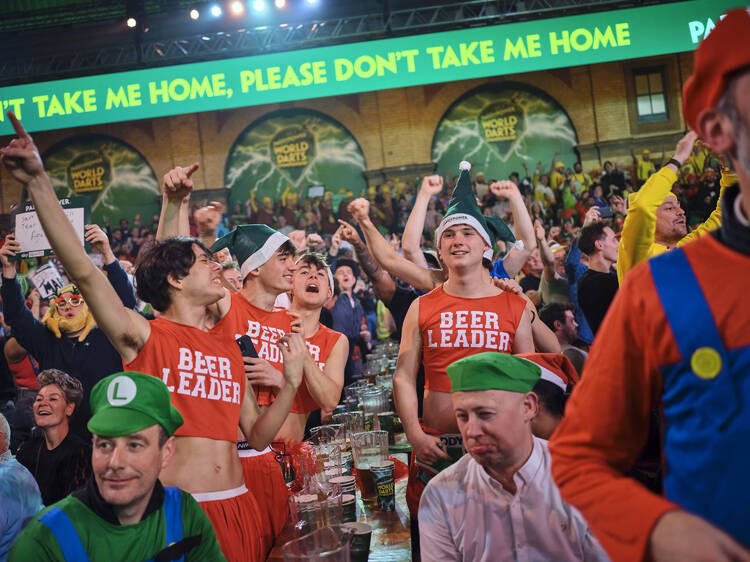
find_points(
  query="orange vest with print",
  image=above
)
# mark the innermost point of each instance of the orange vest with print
(204, 373)
(264, 328)
(456, 327)
(320, 346)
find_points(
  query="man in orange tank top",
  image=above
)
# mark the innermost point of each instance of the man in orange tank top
(203, 372)
(465, 315)
(327, 349)
(266, 259)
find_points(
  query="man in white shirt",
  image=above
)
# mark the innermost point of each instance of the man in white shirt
(499, 502)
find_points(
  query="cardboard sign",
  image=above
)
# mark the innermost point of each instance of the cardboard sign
(29, 232)
(46, 279)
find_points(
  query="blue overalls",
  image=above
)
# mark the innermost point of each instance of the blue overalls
(70, 543)
(706, 412)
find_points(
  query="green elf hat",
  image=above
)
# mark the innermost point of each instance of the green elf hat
(463, 209)
(252, 244)
(127, 402)
(493, 370)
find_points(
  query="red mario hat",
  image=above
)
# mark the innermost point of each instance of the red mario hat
(723, 52)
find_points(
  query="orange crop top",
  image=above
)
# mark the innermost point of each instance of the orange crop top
(320, 346)
(456, 327)
(204, 373)
(264, 328)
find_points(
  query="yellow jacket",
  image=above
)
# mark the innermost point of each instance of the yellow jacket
(637, 239)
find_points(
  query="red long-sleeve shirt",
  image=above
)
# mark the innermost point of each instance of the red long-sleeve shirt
(607, 418)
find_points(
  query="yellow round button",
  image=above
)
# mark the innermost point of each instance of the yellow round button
(706, 363)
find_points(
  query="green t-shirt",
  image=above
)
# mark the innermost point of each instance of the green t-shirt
(104, 541)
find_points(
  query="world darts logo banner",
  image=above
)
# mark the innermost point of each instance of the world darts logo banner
(90, 171)
(501, 128)
(293, 149)
(113, 177)
(289, 151)
(501, 124)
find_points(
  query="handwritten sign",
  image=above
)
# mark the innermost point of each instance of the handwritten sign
(29, 232)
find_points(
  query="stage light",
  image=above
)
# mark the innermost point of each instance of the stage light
(131, 22)
(312, 2)
(237, 7)
(194, 14)
(259, 5)
(280, 4)
(216, 11)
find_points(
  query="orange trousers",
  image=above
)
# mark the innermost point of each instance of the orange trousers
(265, 481)
(235, 517)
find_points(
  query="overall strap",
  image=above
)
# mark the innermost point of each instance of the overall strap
(173, 515)
(684, 304)
(58, 522)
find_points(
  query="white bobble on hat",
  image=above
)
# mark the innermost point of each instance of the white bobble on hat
(464, 165)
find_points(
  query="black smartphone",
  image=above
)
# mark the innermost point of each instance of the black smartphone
(606, 212)
(246, 346)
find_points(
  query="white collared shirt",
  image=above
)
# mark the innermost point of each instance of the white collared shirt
(467, 515)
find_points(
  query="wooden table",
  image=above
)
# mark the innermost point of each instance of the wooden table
(391, 537)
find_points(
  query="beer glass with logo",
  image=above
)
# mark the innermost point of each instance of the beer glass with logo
(368, 447)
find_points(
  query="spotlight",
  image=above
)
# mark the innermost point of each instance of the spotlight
(131, 22)
(237, 7)
(280, 4)
(194, 14)
(216, 11)
(259, 5)
(312, 2)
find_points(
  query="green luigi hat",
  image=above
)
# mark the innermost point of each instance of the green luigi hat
(127, 402)
(252, 244)
(493, 370)
(463, 209)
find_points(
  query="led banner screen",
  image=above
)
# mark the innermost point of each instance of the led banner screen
(367, 66)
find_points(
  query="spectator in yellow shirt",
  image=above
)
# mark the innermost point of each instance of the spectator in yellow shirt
(655, 221)
(580, 178)
(557, 175)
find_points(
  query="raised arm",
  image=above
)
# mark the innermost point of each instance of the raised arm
(412, 237)
(419, 277)
(548, 258)
(381, 282)
(261, 428)
(516, 258)
(175, 203)
(115, 273)
(640, 224)
(714, 219)
(126, 329)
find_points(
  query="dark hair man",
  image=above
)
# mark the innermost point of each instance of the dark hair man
(124, 511)
(598, 285)
(560, 318)
(676, 339)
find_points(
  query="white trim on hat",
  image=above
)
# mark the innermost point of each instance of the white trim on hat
(263, 254)
(548, 375)
(464, 218)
